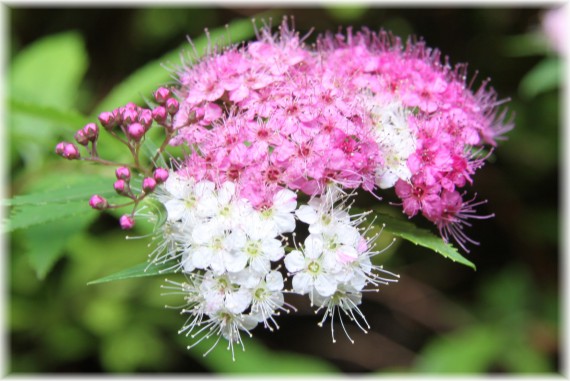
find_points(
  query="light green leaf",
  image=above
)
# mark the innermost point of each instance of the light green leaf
(141, 270)
(49, 71)
(545, 76)
(422, 237)
(146, 79)
(67, 118)
(473, 350)
(45, 243)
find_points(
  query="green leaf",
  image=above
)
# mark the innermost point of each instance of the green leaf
(146, 79)
(472, 350)
(49, 71)
(523, 45)
(141, 270)
(422, 237)
(25, 216)
(73, 188)
(347, 12)
(45, 243)
(545, 76)
(68, 118)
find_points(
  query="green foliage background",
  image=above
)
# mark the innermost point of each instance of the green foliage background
(66, 65)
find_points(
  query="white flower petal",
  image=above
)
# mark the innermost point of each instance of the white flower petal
(302, 283)
(325, 285)
(294, 261)
(313, 246)
(307, 214)
(274, 281)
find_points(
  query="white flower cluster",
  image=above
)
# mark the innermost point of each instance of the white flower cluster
(333, 265)
(230, 251)
(226, 247)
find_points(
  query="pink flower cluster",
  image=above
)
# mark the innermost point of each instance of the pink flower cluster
(277, 114)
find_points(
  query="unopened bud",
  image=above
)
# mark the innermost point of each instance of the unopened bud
(136, 131)
(161, 95)
(59, 148)
(107, 120)
(91, 131)
(145, 118)
(127, 222)
(98, 202)
(160, 175)
(130, 115)
(148, 184)
(121, 186)
(123, 173)
(67, 150)
(172, 106)
(81, 138)
(159, 114)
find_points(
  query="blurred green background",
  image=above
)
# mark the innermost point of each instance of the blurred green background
(440, 318)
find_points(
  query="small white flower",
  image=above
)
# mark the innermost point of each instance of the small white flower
(279, 217)
(308, 268)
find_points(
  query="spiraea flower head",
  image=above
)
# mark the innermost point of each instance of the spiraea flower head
(278, 137)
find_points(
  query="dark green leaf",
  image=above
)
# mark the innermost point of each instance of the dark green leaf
(422, 237)
(141, 270)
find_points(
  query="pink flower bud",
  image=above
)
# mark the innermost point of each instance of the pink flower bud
(67, 150)
(118, 116)
(121, 186)
(59, 148)
(135, 131)
(127, 222)
(172, 106)
(98, 202)
(130, 115)
(160, 175)
(161, 95)
(91, 131)
(81, 138)
(159, 114)
(148, 184)
(145, 118)
(123, 173)
(107, 119)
